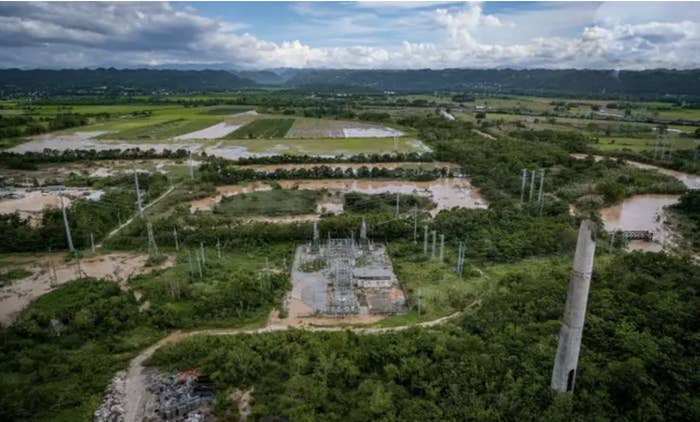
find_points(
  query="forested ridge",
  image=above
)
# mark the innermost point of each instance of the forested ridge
(625, 83)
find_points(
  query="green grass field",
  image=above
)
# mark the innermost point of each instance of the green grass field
(162, 130)
(263, 128)
(270, 203)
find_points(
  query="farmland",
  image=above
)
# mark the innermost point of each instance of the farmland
(263, 128)
(213, 246)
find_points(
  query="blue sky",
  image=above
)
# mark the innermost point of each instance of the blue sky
(351, 34)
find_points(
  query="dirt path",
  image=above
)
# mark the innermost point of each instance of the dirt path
(484, 134)
(137, 396)
(127, 222)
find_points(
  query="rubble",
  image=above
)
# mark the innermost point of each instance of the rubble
(178, 397)
(112, 407)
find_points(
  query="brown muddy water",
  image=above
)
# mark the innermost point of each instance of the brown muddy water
(641, 212)
(446, 193)
(31, 203)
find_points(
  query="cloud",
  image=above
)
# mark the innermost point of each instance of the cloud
(135, 34)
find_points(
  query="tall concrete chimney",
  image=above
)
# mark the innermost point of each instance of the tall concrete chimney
(566, 361)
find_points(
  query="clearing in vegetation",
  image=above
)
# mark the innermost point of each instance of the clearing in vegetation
(263, 128)
(272, 203)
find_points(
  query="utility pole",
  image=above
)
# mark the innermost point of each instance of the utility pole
(432, 255)
(415, 224)
(569, 344)
(199, 265)
(189, 262)
(540, 196)
(218, 248)
(419, 303)
(397, 204)
(138, 193)
(201, 249)
(442, 248)
(460, 258)
(92, 243)
(191, 166)
(522, 185)
(65, 223)
(177, 245)
(612, 242)
(152, 247)
(532, 185)
(425, 240)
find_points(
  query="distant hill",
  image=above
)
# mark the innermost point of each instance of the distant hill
(577, 82)
(262, 77)
(96, 81)
(648, 83)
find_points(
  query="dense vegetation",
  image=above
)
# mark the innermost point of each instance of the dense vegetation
(57, 358)
(637, 360)
(384, 202)
(223, 172)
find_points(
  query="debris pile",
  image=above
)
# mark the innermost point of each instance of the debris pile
(112, 407)
(180, 397)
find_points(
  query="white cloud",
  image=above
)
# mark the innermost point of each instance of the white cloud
(132, 34)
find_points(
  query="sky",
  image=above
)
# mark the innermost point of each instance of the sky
(357, 35)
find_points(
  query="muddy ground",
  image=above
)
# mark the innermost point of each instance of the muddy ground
(52, 270)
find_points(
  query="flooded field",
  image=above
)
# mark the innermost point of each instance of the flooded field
(641, 212)
(446, 193)
(229, 149)
(371, 132)
(326, 128)
(85, 140)
(102, 168)
(691, 181)
(51, 270)
(31, 203)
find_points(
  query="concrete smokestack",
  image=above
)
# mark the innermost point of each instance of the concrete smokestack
(566, 361)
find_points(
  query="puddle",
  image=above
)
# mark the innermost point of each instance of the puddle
(446, 192)
(691, 181)
(641, 212)
(117, 267)
(212, 132)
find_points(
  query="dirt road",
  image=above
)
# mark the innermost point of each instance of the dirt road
(137, 395)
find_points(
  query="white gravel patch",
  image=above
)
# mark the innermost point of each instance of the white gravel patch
(371, 132)
(216, 131)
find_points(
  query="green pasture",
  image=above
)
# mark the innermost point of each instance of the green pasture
(263, 128)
